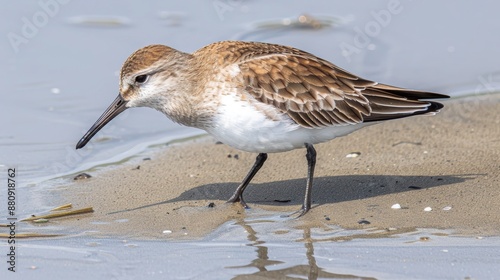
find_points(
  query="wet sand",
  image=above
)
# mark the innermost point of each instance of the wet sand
(449, 161)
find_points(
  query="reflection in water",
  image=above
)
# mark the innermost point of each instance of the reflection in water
(302, 22)
(262, 259)
(262, 262)
(172, 18)
(99, 21)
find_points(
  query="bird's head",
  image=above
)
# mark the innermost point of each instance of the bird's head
(148, 78)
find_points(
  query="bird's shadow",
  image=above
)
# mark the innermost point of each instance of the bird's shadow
(330, 189)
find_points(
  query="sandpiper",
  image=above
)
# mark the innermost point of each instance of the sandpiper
(259, 97)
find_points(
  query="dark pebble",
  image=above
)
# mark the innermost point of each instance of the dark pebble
(414, 187)
(146, 158)
(363, 222)
(218, 143)
(282, 200)
(82, 176)
(327, 218)
(137, 168)
(211, 205)
(236, 156)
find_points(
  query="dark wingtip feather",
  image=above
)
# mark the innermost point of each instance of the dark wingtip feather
(435, 106)
(411, 94)
(432, 109)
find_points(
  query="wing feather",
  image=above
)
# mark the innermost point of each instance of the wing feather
(316, 93)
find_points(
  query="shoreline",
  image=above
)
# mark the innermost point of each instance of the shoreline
(447, 161)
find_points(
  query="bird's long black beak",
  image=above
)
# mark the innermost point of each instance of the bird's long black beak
(113, 110)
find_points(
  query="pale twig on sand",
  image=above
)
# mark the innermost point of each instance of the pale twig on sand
(57, 215)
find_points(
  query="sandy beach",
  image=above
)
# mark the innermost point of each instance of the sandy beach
(448, 162)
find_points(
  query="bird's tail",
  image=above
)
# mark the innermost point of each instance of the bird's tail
(389, 102)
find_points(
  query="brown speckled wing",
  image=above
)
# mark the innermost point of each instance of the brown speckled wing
(316, 93)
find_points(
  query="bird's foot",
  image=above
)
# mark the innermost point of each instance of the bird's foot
(297, 214)
(238, 198)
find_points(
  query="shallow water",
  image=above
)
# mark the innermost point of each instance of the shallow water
(261, 249)
(60, 65)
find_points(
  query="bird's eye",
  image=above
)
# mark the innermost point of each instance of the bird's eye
(141, 79)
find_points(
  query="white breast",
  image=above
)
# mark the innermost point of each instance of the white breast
(261, 128)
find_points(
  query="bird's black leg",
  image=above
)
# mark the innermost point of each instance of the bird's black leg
(238, 194)
(311, 163)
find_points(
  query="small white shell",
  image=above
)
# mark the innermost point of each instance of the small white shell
(353, 155)
(396, 206)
